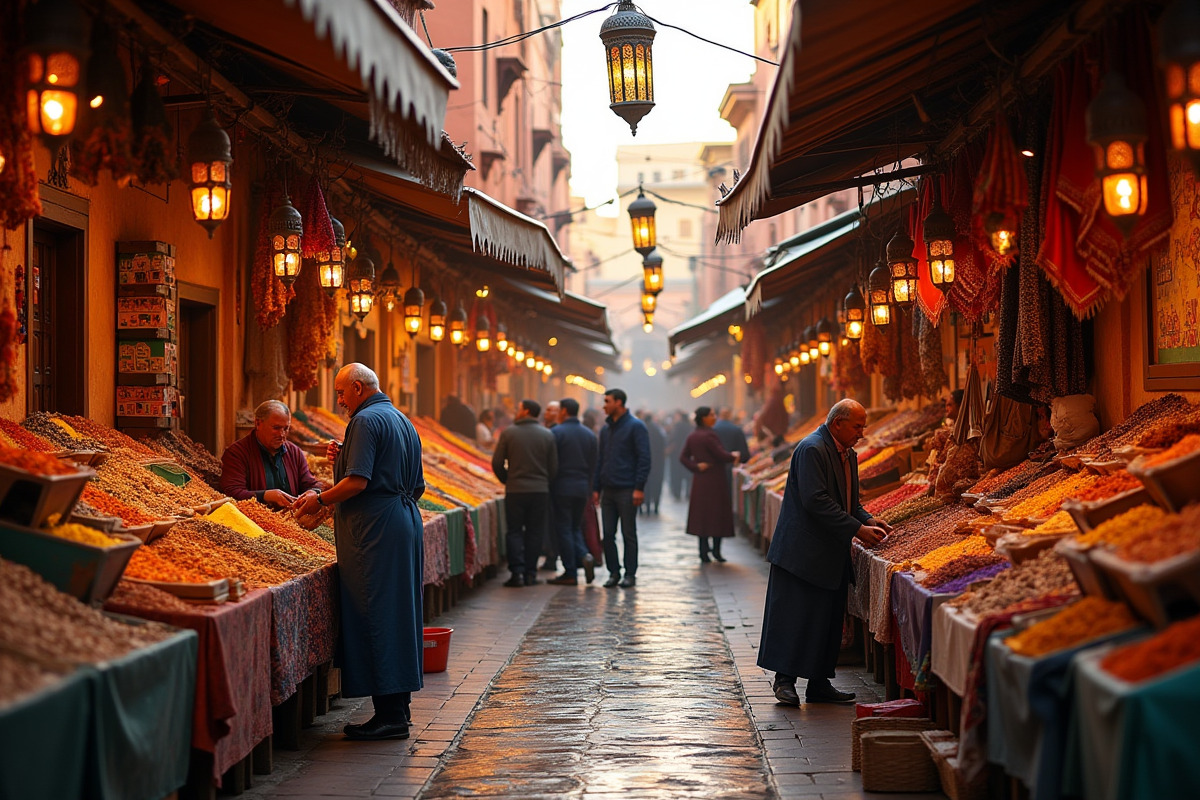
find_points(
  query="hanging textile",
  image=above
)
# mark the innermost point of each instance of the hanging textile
(929, 340)
(19, 201)
(318, 228)
(968, 425)
(976, 289)
(930, 299)
(912, 378)
(1001, 190)
(1006, 335)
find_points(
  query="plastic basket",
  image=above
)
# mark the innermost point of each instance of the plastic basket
(30, 500)
(437, 649)
(897, 761)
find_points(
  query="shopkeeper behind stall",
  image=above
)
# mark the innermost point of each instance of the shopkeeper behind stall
(264, 464)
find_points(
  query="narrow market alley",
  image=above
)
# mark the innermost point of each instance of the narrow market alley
(649, 692)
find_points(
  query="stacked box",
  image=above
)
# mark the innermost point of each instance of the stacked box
(134, 313)
(146, 268)
(147, 401)
(148, 356)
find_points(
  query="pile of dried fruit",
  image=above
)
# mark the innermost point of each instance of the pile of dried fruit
(1090, 618)
(1177, 645)
(1045, 575)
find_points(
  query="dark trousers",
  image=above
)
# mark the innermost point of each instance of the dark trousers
(705, 546)
(616, 505)
(392, 708)
(568, 523)
(526, 514)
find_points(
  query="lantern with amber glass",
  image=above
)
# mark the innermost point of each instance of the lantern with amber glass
(778, 366)
(649, 302)
(360, 281)
(939, 233)
(1116, 130)
(648, 321)
(1179, 56)
(805, 357)
(628, 36)
(902, 268)
(389, 287)
(879, 285)
(414, 299)
(855, 309)
(437, 320)
(483, 334)
(501, 338)
(641, 217)
(811, 344)
(331, 263)
(211, 158)
(1002, 235)
(53, 56)
(825, 331)
(519, 354)
(652, 275)
(458, 325)
(286, 227)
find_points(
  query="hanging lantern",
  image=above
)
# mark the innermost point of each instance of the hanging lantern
(878, 287)
(458, 325)
(511, 352)
(902, 268)
(805, 357)
(641, 217)
(530, 360)
(501, 338)
(648, 321)
(483, 337)
(389, 287)
(548, 370)
(825, 331)
(414, 299)
(652, 275)
(855, 309)
(1179, 55)
(287, 226)
(628, 36)
(811, 344)
(778, 367)
(437, 320)
(1116, 130)
(794, 358)
(939, 236)
(649, 303)
(1001, 236)
(54, 55)
(539, 365)
(331, 263)
(519, 355)
(361, 283)
(211, 158)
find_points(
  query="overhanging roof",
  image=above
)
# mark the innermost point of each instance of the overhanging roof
(576, 317)
(703, 359)
(866, 84)
(712, 320)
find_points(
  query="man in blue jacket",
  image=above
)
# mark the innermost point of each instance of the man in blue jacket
(620, 484)
(576, 468)
(810, 559)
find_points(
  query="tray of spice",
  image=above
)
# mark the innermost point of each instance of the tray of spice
(208, 593)
(86, 458)
(1053, 630)
(78, 560)
(1159, 592)
(34, 486)
(1104, 467)
(100, 523)
(1090, 513)
(142, 532)
(1021, 547)
(1173, 476)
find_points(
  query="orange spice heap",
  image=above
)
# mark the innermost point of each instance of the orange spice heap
(1088, 619)
(1184, 447)
(1177, 645)
(37, 463)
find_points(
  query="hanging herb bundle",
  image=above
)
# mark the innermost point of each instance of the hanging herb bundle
(152, 132)
(929, 340)
(19, 200)
(848, 374)
(318, 229)
(107, 144)
(270, 295)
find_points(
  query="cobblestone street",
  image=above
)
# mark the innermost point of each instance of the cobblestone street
(582, 692)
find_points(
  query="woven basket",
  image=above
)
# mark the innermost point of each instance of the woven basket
(897, 761)
(870, 724)
(943, 749)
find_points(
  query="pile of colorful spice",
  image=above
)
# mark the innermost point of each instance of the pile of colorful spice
(1174, 647)
(922, 535)
(35, 462)
(146, 564)
(192, 455)
(14, 435)
(282, 525)
(1133, 523)
(1168, 433)
(1108, 486)
(1060, 524)
(59, 432)
(1159, 411)
(1184, 447)
(913, 507)
(124, 477)
(996, 478)
(1038, 577)
(1089, 618)
(1178, 534)
(961, 584)
(130, 598)
(895, 497)
(965, 547)
(964, 566)
(1050, 499)
(111, 438)
(82, 534)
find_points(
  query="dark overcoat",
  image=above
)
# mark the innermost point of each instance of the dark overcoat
(710, 508)
(381, 553)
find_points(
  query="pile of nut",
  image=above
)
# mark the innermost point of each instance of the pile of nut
(1045, 575)
(1159, 411)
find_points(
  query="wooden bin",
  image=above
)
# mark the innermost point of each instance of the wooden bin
(864, 725)
(897, 761)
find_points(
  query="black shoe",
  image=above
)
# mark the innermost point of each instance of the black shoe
(564, 580)
(825, 693)
(374, 730)
(785, 693)
(718, 557)
(531, 579)
(612, 581)
(705, 560)
(515, 581)
(628, 582)
(589, 567)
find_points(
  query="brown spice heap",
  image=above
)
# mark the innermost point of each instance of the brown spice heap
(1169, 407)
(1168, 433)
(191, 454)
(913, 507)
(925, 534)
(1177, 645)
(1037, 577)
(111, 438)
(130, 597)
(124, 477)
(20, 677)
(1079, 622)
(997, 483)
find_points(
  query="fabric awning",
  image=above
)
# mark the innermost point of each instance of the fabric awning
(575, 318)
(703, 359)
(723, 312)
(864, 85)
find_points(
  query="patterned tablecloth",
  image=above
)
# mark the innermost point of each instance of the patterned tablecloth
(302, 629)
(437, 551)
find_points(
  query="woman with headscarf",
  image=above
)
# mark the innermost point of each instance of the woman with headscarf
(710, 509)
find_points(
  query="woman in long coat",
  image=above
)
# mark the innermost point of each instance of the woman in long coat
(710, 509)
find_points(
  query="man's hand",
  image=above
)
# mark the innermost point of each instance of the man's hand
(878, 523)
(332, 449)
(638, 497)
(703, 466)
(870, 535)
(306, 504)
(278, 497)
(737, 455)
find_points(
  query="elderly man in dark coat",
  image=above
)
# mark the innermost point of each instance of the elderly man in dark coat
(380, 550)
(810, 559)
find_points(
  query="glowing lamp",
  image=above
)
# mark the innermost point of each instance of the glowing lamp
(519, 355)
(539, 365)
(1116, 130)
(805, 358)
(652, 274)
(647, 321)
(54, 54)
(361, 285)
(825, 331)
(878, 287)
(414, 299)
(211, 158)
(902, 268)
(1001, 236)
(501, 338)
(855, 309)
(939, 233)
(530, 361)
(286, 227)
(649, 303)
(483, 335)
(458, 325)
(389, 287)
(641, 218)
(437, 320)
(331, 263)
(778, 366)
(1179, 55)
(628, 36)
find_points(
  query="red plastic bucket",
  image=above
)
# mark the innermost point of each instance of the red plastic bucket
(437, 649)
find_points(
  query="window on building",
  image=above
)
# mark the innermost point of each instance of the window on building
(685, 229)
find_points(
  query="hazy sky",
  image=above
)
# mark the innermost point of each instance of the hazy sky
(690, 78)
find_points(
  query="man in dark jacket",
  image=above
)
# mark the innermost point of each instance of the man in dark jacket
(525, 461)
(576, 465)
(264, 464)
(620, 484)
(733, 439)
(810, 559)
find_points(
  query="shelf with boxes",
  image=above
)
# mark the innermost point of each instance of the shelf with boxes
(147, 336)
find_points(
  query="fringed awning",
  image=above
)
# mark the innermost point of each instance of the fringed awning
(510, 236)
(712, 320)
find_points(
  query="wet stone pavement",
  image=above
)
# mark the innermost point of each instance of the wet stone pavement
(587, 692)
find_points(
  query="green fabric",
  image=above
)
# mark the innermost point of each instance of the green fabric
(44, 741)
(172, 475)
(456, 540)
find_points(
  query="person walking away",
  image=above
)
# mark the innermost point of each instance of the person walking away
(380, 552)
(710, 510)
(658, 464)
(810, 559)
(458, 417)
(620, 485)
(733, 439)
(483, 431)
(263, 464)
(576, 467)
(525, 461)
(681, 479)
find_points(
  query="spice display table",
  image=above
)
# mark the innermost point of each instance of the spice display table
(951, 641)
(912, 613)
(302, 629)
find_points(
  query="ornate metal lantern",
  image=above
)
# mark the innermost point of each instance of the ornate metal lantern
(878, 291)
(652, 274)
(902, 268)
(360, 281)
(437, 320)
(54, 56)
(458, 325)
(483, 335)
(1116, 130)
(939, 233)
(331, 263)
(628, 36)
(287, 227)
(825, 331)
(649, 303)
(211, 159)
(389, 287)
(414, 300)
(855, 309)
(641, 216)
(501, 338)
(811, 344)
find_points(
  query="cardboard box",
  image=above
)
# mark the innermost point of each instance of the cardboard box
(146, 268)
(145, 312)
(147, 401)
(147, 356)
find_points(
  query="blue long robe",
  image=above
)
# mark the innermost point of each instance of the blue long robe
(381, 554)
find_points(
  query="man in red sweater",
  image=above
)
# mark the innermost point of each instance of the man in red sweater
(264, 464)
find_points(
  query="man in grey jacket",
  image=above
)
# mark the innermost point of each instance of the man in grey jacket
(525, 461)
